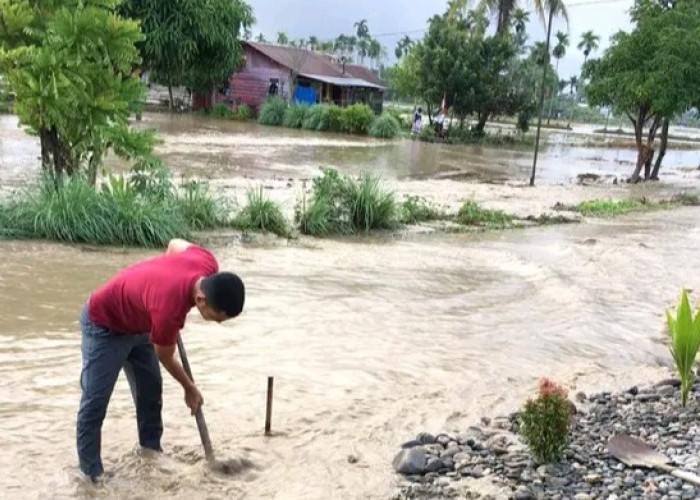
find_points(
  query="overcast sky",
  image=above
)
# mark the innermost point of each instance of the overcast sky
(326, 19)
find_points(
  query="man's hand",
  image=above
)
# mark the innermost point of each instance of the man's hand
(177, 246)
(193, 399)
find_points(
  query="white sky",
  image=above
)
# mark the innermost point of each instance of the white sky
(326, 19)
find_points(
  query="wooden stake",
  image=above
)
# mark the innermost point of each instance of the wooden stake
(268, 412)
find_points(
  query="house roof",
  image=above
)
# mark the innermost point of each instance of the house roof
(318, 66)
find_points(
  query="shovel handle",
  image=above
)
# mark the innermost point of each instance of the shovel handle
(199, 416)
(686, 476)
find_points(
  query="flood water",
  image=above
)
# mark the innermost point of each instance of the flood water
(369, 341)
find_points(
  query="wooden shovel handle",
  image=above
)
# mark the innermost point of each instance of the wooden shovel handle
(686, 476)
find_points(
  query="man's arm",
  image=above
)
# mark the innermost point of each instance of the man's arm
(166, 355)
(177, 246)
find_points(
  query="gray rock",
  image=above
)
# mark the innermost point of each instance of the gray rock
(582, 496)
(523, 495)
(450, 452)
(477, 472)
(666, 390)
(676, 443)
(425, 438)
(433, 465)
(646, 398)
(411, 461)
(593, 478)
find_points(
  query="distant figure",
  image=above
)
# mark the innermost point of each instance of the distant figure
(417, 122)
(440, 124)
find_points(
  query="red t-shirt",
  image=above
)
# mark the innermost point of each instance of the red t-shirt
(153, 296)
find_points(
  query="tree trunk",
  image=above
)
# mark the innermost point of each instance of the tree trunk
(649, 157)
(213, 95)
(170, 95)
(551, 101)
(45, 141)
(481, 123)
(638, 126)
(545, 63)
(662, 150)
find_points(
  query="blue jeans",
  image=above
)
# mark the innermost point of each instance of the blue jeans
(104, 355)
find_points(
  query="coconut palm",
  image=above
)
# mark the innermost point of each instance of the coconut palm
(261, 38)
(559, 52)
(363, 49)
(376, 52)
(282, 38)
(573, 84)
(362, 29)
(552, 8)
(313, 42)
(520, 19)
(403, 47)
(589, 42)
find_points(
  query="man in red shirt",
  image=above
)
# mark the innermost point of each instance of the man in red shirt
(133, 322)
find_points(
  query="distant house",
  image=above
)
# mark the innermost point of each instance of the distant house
(320, 78)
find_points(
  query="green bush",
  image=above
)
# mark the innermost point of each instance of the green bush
(357, 119)
(545, 421)
(398, 116)
(294, 116)
(341, 205)
(200, 208)
(428, 134)
(415, 209)
(243, 112)
(312, 119)
(331, 119)
(221, 110)
(471, 214)
(262, 214)
(272, 112)
(385, 127)
(611, 208)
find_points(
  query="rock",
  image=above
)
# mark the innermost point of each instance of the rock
(523, 495)
(582, 496)
(352, 459)
(672, 382)
(411, 444)
(433, 465)
(450, 452)
(593, 478)
(581, 397)
(676, 443)
(477, 472)
(444, 439)
(425, 438)
(645, 398)
(666, 390)
(486, 421)
(412, 461)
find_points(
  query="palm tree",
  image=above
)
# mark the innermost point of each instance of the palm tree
(351, 43)
(375, 51)
(573, 85)
(362, 29)
(589, 42)
(363, 49)
(520, 19)
(559, 52)
(313, 43)
(552, 7)
(403, 47)
(261, 38)
(327, 46)
(282, 38)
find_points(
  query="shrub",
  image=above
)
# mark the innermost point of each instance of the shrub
(398, 116)
(415, 209)
(385, 127)
(200, 208)
(341, 205)
(428, 134)
(243, 112)
(262, 214)
(272, 112)
(221, 110)
(357, 119)
(294, 116)
(472, 214)
(610, 208)
(545, 421)
(685, 341)
(331, 119)
(312, 119)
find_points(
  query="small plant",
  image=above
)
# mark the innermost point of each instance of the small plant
(331, 119)
(385, 127)
(611, 208)
(545, 422)
(200, 208)
(262, 214)
(243, 112)
(428, 134)
(357, 119)
(415, 209)
(685, 340)
(312, 120)
(272, 112)
(471, 214)
(294, 116)
(221, 110)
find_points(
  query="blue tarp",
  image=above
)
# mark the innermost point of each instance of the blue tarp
(305, 95)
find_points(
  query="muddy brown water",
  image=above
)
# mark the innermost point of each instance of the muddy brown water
(369, 341)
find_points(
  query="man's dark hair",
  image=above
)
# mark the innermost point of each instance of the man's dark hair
(224, 292)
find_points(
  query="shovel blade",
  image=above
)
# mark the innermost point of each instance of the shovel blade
(636, 453)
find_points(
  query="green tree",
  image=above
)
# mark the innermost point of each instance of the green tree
(362, 29)
(313, 43)
(559, 52)
(650, 74)
(219, 52)
(589, 42)
(72, 67)
(403, 46)
(375, 51)
(404, 78)
(261, 38)
(282, 38)
(552, 8)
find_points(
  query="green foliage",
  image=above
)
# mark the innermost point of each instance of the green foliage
(415, 209)
(385, 127)
(243, 112)
(357, 119)
(200, 208)
(341, 205)
(428, 134)
(685, 341)
(611, 208)
(294, 116)
(273, 112)
(312, 119)
(221, 110)
(471, 214)
(544, 423)
(398, 115)
(70, 65)
(262, 214)
(331, 119)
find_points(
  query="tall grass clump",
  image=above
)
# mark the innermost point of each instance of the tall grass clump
(415, 209)
(201, 209)
(331, 119)
(685, 341)
(342, 205)
(75, 212)
(272, 112)
(221, 110)
(385, 127)
(294, 116)
(471, 214)
(243, 112)
(312, 119)
(357, 119)
(262, 214)
(611, 208)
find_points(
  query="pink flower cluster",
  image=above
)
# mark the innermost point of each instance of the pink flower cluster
(549, 388)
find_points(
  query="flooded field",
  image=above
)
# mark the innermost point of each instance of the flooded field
(370, 341)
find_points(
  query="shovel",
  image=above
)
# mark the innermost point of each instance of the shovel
(228, 467)
(635, 453)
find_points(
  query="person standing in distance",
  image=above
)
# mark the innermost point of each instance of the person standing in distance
(133, 322)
